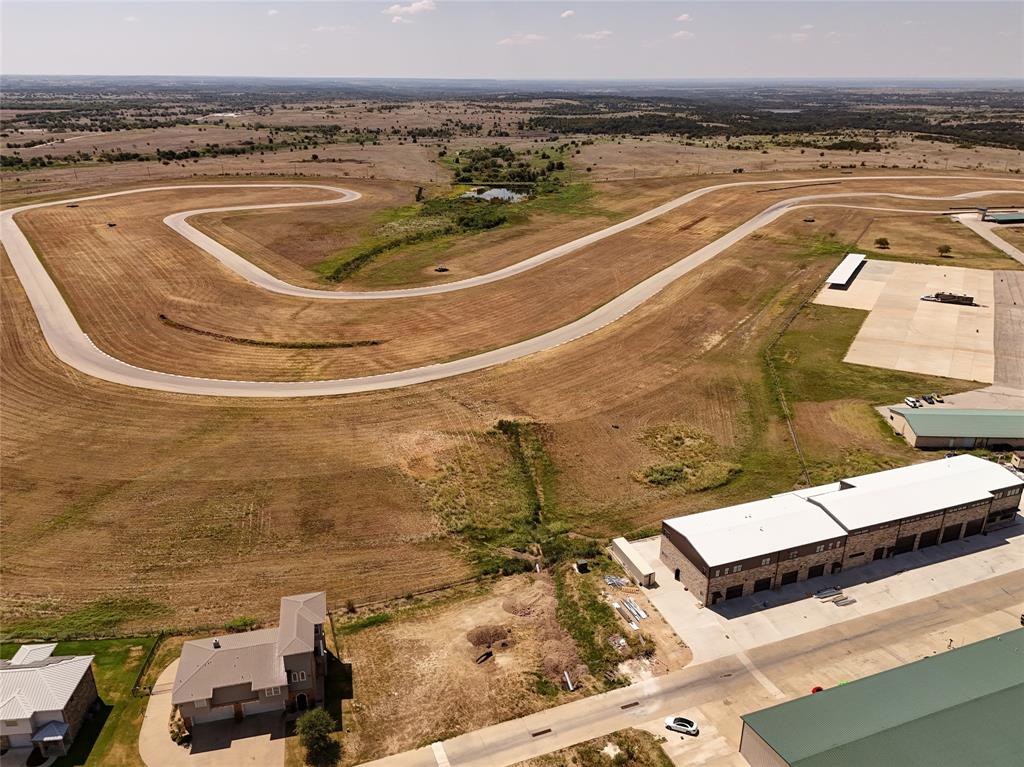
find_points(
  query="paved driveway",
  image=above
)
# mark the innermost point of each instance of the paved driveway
(258, 740)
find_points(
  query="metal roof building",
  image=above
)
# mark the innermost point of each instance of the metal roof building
(755, 529)
(964, 428)
(791, 537)
(959, 708)
(843, 274)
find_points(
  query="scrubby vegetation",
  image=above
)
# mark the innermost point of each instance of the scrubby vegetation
(693, 460)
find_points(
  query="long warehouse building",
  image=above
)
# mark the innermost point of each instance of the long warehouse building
(739, 550)
(962, 707)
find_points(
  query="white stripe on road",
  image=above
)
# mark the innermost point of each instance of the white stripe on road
(755, 672)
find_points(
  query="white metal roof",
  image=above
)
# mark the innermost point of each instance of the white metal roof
(842, 273)
(43, 685)
(755, 529)
(886, 496)
(629, 552)
(30, 653)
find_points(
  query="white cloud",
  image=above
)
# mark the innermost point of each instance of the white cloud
(334, 28)
(527, 39)
(806, 27)
(603, 34)
(398, 11)
(273, 12)
(683, 34)
(131, 19)
(566, 14)
(684, 17)
(799, 37)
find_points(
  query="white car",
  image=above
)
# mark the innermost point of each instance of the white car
(682, 724)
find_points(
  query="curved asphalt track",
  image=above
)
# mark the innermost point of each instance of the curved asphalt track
(73, 347)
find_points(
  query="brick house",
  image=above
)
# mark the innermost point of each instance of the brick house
(44, 698)
(788, 538)
(270, 670)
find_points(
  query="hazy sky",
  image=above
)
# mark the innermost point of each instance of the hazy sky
(449, 38)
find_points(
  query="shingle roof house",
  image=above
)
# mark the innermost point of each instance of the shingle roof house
(256, 672)
(44, 698)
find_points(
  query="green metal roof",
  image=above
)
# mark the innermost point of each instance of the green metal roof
(1005, 218)
(962, 707)
(962, 422)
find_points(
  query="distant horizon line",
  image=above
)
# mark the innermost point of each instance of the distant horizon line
(590, 80)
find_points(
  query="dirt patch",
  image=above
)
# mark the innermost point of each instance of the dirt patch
(431, 655)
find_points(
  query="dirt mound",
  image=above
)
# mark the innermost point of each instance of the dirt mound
(559, 657)
(487, 635)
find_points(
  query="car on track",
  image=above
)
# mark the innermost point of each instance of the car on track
(682, 725)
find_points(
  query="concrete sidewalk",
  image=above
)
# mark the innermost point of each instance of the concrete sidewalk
(743, 624)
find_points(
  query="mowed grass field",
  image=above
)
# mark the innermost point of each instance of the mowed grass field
(198, 510)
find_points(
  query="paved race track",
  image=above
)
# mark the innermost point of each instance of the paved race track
(73, 347)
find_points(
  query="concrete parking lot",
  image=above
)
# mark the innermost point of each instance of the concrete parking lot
(902, 332)
(743, 624)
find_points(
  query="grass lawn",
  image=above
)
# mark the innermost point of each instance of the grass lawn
(111, 737)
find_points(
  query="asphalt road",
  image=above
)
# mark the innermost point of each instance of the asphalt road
(994, 603)
(73, 347)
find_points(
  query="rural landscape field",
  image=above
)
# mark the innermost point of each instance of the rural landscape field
(431, 345)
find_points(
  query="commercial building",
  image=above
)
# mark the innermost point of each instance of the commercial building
(788, 538)
(962, 707)
(958, 428)
(44, 698)
(256, 672)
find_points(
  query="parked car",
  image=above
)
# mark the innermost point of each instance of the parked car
(937, 397)
(911, 402)
(682, 725)
(929, 399)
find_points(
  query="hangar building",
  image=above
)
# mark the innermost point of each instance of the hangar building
(958, 708)
(739, 550)
(950, 428)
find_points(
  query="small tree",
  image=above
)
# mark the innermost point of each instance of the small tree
(882, 242)
(944, 250)
(316, 736)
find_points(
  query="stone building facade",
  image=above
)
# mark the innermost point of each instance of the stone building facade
(996, 502)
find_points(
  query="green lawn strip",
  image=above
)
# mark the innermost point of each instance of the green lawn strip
(111, 737)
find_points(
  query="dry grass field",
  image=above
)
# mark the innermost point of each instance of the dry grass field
(629, 158)
(182, 511)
